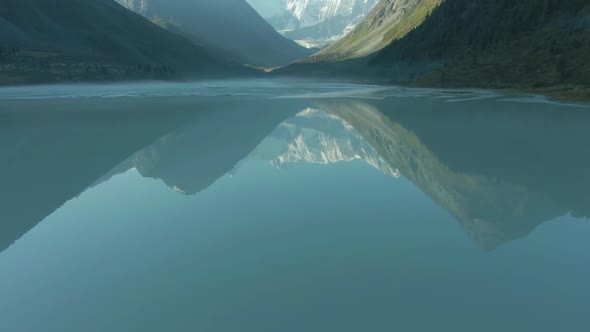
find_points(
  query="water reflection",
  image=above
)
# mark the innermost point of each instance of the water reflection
(54, 150)
(499, 168)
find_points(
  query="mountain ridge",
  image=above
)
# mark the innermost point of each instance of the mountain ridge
(40, 41)
(230, 26)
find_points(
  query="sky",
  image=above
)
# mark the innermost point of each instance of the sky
(267, 8)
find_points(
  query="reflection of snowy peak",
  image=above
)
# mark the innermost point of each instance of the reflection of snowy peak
(319, 138)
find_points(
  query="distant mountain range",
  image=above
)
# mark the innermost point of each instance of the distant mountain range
(314, 23)
(231, 27)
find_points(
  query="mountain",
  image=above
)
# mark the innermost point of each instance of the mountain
(389, 20)
(316, 23)
(351, 56)
(230, 26)
(496, 44)
(500, 44)
(44, 40)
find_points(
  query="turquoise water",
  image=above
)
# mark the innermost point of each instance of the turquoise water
(355, 208)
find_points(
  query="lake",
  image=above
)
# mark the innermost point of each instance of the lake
(292, 206)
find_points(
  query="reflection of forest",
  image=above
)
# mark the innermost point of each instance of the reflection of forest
(499, 169)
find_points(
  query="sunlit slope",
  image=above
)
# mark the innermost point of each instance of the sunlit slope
(388, 21)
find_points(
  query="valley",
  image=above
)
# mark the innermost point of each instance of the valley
(294, 165)
(540, 47)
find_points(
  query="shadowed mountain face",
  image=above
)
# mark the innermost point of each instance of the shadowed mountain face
(230, 26)
(500, 173)
(85, 34)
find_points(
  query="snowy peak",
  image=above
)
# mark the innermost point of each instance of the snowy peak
(314, 23)
(310, 12)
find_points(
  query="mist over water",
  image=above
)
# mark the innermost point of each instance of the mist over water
(291, 206)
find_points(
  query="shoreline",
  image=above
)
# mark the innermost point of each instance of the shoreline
(572, 93)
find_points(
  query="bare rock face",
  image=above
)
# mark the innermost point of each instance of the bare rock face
(314, 23)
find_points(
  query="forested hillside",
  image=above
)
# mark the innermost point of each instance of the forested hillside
(498, 43)
(530, 44)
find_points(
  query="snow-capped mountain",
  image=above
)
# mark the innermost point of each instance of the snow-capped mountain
(314, 23)
(317, 137)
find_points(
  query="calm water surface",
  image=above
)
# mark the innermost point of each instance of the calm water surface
(289, 206)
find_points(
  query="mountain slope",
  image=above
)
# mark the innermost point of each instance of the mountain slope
(230, 26)
(500, 43)
(541, 45)
(97, 32)
(389, 20)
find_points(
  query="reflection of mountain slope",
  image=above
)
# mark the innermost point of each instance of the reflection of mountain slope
(491, 210)
(540, 146)
(191, 159)
(318, 137)
(53, 151)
